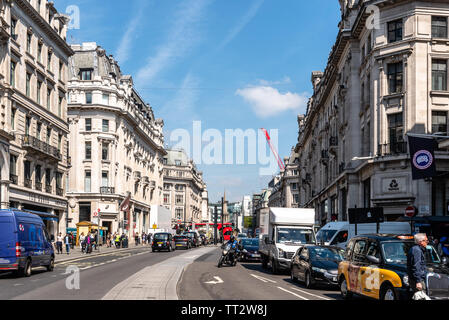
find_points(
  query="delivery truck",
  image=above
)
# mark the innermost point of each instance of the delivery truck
(287, 230)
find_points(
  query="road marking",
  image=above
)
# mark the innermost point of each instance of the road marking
(310, 294)
(219, 280)
(18, 284)
(297, 295)
(263, 279)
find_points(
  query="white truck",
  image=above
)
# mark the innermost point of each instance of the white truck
(287, 230)
(339, 233)
(160, 217)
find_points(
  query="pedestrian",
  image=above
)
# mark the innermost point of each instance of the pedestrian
(136, 238)
(92, 242)
(117, 240)
(144, 238)
(81, 240)
(67, 243)
(89, 243)
(416, 263)
(72, 240)
(149, 238)
(59, 243)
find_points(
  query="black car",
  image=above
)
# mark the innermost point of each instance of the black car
(250, 249)
(193, 237)
(182, 242)
(163, 241)
(316, 265)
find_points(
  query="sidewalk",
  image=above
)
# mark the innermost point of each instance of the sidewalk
(76, 252)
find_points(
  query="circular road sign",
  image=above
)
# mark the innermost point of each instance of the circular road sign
(410, 212)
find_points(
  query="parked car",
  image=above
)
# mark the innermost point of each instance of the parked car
(163, 241)
(24, 243)
(194, 238)
(250, 249)
(383, 258)
(314, 265)
(182, 242)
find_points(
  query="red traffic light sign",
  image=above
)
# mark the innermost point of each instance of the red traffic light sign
(410, 212)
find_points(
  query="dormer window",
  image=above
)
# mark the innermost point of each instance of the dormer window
(86, 74)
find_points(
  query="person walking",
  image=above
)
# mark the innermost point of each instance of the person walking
(144, 238)
(67, 241)
(59, 243)
(117, 240)
(82, 241)
(72, 240)
(416, 263)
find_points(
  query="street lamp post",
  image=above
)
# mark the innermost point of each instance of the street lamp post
(215, 225)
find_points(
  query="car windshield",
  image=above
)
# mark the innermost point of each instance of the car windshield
(397, 251)
(334, 254)
(293, 235)
(161, 236)
(250, 242)
(180, 237)
(325, 235)
(190, 235)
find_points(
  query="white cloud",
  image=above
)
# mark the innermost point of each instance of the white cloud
(267, 101)
(285, 80)
(250, 14)
(182, 36)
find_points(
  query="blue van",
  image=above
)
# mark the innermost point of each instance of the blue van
(24, 243)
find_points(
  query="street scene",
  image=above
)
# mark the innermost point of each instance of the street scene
(216, 151)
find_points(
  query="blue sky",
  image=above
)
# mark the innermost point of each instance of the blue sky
(227, 63)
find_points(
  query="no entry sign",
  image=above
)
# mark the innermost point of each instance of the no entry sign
(410, 212)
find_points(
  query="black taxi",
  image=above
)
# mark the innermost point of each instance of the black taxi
(375, 266)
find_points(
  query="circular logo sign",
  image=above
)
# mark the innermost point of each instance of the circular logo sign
(21, 228)
(422, 159)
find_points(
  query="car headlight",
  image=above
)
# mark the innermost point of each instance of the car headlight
(319, 270)
(405, 280)
(281, 253)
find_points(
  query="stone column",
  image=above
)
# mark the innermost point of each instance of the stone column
(4, 193)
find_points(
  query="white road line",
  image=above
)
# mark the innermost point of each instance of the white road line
(310, 294)
(18, 284)
(262, 278)
(297, 295)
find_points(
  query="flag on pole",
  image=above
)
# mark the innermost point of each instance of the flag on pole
(422, 157)
(124, 206)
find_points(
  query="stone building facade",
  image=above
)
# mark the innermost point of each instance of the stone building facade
(386, 76)
(185, 193)
(116, 144)
(33, 128)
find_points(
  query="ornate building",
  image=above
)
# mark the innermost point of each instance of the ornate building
(33, 126)
(116, 144)
(386, 76)
(185, 193)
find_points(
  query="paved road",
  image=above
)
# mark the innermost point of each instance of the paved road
(247, 281)
(98, 275)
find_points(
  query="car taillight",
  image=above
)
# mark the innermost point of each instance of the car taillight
(168, 242)
(18, 250)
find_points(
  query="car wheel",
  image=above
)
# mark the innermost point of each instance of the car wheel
(27, 270)
(292, 277)
(388, 293)
(345, 293)
(220, 261)
(308, 280)
(264, 262)
(51, 266)
(274, 267)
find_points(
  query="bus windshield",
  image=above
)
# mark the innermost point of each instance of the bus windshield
(293, 235)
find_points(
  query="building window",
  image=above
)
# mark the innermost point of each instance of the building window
(87, 181)
(104, 179)
(59, 141)
(48, 135)
(13, 165)
(48, 177)
(27, 173)
(439, 27)
(38, 130)
(179, 199)
(49, 61)
(13, 74)
(88, 97)
(105, 151)
(86, 74)
(38, 176)
(39, 52)
(88, 124)
(27, 125)
(48, 99)
(29, 37)
(28, 85)
(296, 198)
(61, 69)
(367, 193)
(60, 107)
(395, 77)
(39, 89)
(178, 162)
(439, 122)
(179, 212)
(13, 118)
(369, 43)
(395, 31)
(88, 150)
(439, 75)
(166, 198)
(13, 29)
(105, 99)
(396, 132)
(105, 127)
(294, 186)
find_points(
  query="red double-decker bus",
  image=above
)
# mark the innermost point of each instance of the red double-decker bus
(224, 228)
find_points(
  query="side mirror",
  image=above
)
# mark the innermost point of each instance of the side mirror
(373, 259)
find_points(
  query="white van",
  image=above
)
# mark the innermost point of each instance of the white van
(339, 233)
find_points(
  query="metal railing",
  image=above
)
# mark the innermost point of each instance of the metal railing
(48, 188)
(59, 192)
(393, 148)
(107, 190)
(27, 183)
(14, 179)
(38, 186)
(36, 144)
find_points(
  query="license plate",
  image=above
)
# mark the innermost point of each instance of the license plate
(255, 255)
(334, 279)
(179, 245)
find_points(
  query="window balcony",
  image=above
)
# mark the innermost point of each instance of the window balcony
(48, 188)
(396, 148)
(107, 190)
(27, 183)
(38, 147)
(38, 186)
(59, 192)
